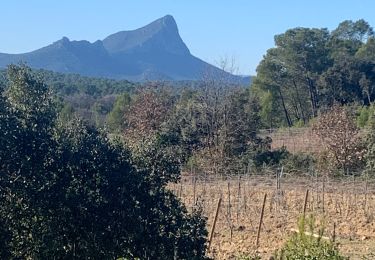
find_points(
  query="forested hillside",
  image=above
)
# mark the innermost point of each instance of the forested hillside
(91, 98)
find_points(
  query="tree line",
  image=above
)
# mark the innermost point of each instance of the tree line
(311, 69)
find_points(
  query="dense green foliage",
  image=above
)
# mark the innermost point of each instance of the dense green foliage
(299, 163)
(311, 69)
(116, 118)
(70, 84)
(90, 98)
(68, 192)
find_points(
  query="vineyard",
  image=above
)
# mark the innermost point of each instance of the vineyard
(344, 207)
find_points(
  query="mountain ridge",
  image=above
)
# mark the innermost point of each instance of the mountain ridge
(152, 52)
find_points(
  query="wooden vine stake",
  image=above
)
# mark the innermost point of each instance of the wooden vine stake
(214, 223)
(194, 191)
(365, 203)
(305, 203)
(238, 197)
(323, 191)
(261, 219)
(229, 203)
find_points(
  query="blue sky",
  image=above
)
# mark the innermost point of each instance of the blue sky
(212, 29)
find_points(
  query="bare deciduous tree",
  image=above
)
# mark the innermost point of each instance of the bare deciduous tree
(340, 135)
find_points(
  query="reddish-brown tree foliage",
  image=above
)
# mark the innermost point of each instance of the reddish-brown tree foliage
(341, 137)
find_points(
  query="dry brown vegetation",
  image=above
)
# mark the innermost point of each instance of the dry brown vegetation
(348, 204)
(295, 140)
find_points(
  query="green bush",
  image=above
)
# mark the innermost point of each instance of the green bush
(270, 157)
(260, 153)
(299, 163)
(68, 192)
(363, 117)
(303, 246)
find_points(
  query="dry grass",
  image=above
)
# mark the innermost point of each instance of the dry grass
(295, 140)
(349, 203)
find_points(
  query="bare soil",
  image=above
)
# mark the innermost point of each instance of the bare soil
(347, 204)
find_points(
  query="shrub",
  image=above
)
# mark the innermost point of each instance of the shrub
(339, 133)
(364, 116)
(299, 163)
(270, 157)
(303, 246)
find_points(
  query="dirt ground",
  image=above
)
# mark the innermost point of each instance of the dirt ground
(348, 205)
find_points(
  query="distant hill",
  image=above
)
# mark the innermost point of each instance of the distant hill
(153, 52)
(63, 84)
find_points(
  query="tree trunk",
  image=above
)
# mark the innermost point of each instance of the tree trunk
(299, 102)
(289, 121)
(313, 96)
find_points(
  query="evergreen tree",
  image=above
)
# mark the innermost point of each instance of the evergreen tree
(116, 118)
(68, 192)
